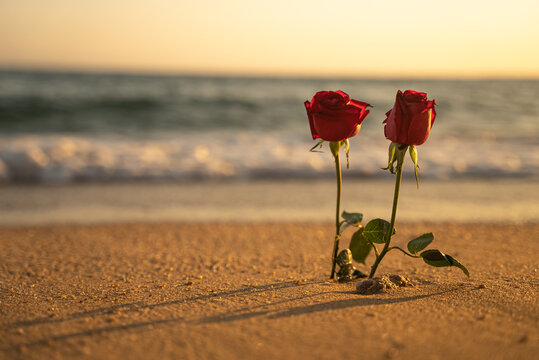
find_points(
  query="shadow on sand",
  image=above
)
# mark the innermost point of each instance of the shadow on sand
(138, 306)
(239, 314)
(249, 312)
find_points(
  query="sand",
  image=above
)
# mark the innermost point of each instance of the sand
(480, 200)
(221, 290)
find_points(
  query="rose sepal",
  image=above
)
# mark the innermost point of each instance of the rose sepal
(413, 155)
(347, 144)
(396, 154)
(391, 157)
(317, 145)
(335, 146)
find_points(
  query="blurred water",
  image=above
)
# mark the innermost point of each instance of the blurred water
(65, 127)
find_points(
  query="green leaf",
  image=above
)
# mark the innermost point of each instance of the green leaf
(419, 243)
(439, 259)
(435, 258)
(376, 230)
(454, 262)
(360, 246)
(352, 218)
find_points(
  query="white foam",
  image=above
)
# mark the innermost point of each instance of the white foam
(188, 157)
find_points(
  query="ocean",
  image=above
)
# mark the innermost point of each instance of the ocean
(58, 128)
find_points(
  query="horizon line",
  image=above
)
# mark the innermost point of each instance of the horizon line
(269, 74)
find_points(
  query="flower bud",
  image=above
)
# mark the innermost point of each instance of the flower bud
(411, 119)
(333, 116)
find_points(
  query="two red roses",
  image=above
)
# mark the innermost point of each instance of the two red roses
(333, 116)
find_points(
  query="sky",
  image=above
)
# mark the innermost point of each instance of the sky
(383, 38)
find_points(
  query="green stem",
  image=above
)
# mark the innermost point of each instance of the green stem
(393, 215)
(337, 213)
(373, 246)
(403, 251)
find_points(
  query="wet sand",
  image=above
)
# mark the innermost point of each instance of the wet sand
(224, 290)
(507, 200)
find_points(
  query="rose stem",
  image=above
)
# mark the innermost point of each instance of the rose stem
(338, 211)
(398, 178)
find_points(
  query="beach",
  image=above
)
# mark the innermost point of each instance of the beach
(183, 217)
(472, 200)
(175, 177)
(209, 286)
(229, 291)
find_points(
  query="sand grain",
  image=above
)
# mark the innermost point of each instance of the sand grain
(228, 291)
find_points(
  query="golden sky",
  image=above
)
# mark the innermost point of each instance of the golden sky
(457, 38)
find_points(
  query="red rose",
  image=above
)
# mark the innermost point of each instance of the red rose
(333, 116)
(411, 118)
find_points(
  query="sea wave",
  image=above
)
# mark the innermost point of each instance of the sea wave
(68, 127)
(244, 156)
(115, 104)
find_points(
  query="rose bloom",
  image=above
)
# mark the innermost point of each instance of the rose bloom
(333, 116)
(410, 120)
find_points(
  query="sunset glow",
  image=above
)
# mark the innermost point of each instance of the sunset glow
(305, 38)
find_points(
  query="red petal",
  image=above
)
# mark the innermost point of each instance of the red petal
(344, 95)
(359, 104)
(390, 128)
(419, 129)
(402, 118)
(415, 96)
(310, 116)
(431, 105)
